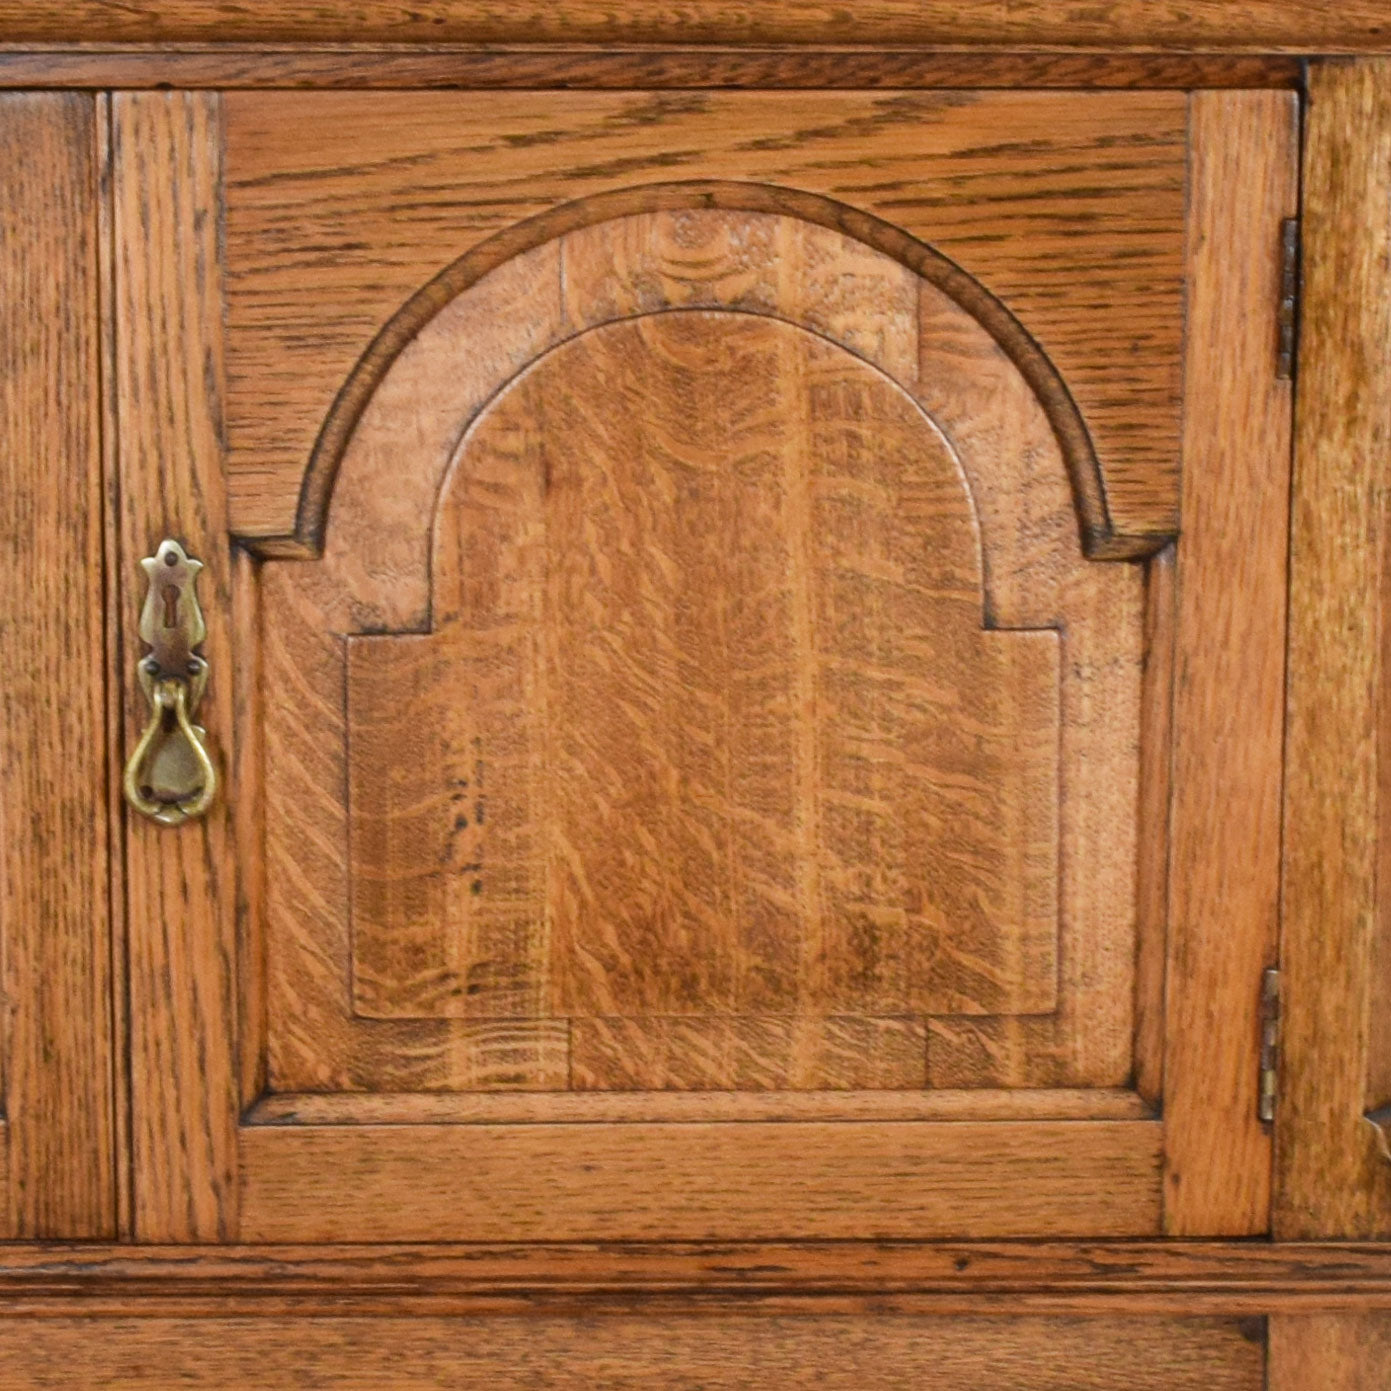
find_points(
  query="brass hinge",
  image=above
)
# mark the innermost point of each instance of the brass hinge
(1287, 311)
(1270, 1042)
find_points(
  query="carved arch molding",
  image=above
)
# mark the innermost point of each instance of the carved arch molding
(738, 720)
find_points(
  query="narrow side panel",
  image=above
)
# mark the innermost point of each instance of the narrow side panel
(1331, 1175)
(54, 900)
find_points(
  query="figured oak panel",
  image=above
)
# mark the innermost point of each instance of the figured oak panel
(707, 721)
(726, 702)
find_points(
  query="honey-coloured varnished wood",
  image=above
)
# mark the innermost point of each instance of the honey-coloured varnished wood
(797, 608)
(1030, 1276)
(1212, 25)
(713, 743)
(181, 885)
(1229, 706)
(1077, 228)
(540, 66)
(1331, 1351)
(738, 826)
(1332, 1174)
(57, 1151)
(632, 1350)
(786, 635)
(699, 1180)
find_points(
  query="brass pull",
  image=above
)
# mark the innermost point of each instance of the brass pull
(170, 776)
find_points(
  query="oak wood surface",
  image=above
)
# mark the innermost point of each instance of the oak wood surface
(1231, 1277)
(1331, 811)
(761, 867)
(374, 580)
(456, 1108)
(1078, 229)
(1224, 871)
(701, 1351)
(375, 576)
(540, 66)
(1332, 1177)
(115, 693)
(58, 1050)
(1333, 1352)
(181, 884)
(1220, 25)
(695, 1181)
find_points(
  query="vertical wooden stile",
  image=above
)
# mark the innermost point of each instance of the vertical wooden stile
(180, 883)
(53, 775)
(1224, 868)
(1331, 1178)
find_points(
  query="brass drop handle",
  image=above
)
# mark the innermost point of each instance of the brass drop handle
(170, 776)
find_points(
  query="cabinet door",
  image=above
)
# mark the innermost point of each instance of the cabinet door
(57, 1145)
(735, 722)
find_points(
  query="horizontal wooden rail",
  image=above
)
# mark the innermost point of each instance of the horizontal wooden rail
(1351, 26)
(1232, 1278)
(439, 66)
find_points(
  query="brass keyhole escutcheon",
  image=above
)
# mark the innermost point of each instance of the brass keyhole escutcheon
(170, 776)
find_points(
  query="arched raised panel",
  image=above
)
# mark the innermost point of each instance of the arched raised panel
(707, 722)
(747, 718)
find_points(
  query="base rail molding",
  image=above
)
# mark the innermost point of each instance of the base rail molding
(1231, 1278)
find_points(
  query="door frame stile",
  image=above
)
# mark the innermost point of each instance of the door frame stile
(181, 882)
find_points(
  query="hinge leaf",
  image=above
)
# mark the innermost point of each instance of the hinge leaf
(1270, 1043)
(1287, 311)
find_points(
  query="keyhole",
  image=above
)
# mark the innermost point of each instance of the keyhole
(171, 606)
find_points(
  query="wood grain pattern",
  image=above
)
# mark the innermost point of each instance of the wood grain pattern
(1333, 1352)
(748, 1053)
(115, 695)
(314, 1040)
(635, 1350)
(408, 804)
(1220, 25)
(1035, 581)
(249, 831)
(1331, 1177)
(852, 797)
(323, 246)
(699, 1181)
(181, 886)
(58, 1159)
(539, 66)
(1014, 1277)
(615, 1172)
(564, 1108)
(1229, 702)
